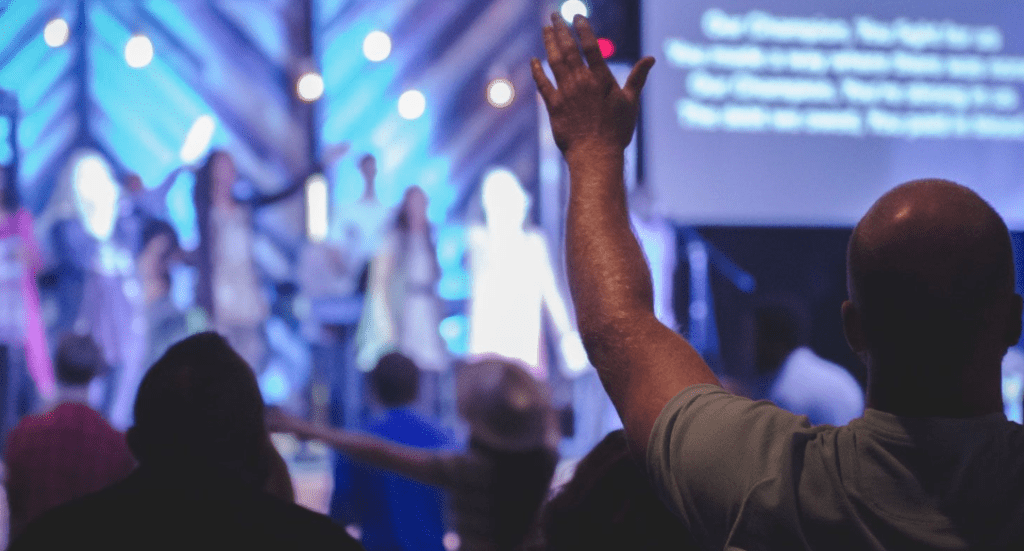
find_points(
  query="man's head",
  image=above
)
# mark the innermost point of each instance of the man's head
(395, 380)
(199, 409)
(78, 360)
(932, 306)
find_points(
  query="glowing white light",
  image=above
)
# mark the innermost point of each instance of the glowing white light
(570, 8)
(138, 52)
(96, 195)
(451, 541)
(500, 92)
(316, 208)
(377, 46)
(412, 104)
(310, 87)
(56, 33)
(198, 139)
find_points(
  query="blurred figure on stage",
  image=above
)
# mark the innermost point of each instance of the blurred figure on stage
(24, 357)
(110, 304)
(139, 206)
(792, 375)
(392, 511)
(166, 323)
(402, 311)
(497, 485)
(512, 282)
(68, 451)
(333, 276)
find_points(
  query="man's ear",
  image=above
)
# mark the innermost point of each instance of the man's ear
(1013, 325)
(852, 328)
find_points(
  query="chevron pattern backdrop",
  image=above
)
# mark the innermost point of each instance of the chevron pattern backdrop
(237, 61)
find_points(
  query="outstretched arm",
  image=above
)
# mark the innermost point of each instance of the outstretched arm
(642, 363)
(415, 463)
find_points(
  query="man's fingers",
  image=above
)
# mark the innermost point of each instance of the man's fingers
(566, 44)
(555, 58)
(544, 85)
(592, 50)
(638, 76)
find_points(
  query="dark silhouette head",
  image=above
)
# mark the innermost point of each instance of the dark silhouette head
(78, 360)
(782, 325)
(932, 307)
(199, 411)
(368, 166)
(395, 380)
(609, 504)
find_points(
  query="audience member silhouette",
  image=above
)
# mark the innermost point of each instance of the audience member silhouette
(495, 487)
(932, 464)
(392, 511)
(68, 451)
(204, 461)
(609, 504)
(792, 375)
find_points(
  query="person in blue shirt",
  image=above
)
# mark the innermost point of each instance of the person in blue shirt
(392, 511)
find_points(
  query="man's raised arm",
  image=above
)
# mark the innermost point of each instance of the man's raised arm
(642, 363)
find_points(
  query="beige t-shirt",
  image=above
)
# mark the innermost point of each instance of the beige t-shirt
(747, 475)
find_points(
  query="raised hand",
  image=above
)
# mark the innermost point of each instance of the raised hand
(588, 109)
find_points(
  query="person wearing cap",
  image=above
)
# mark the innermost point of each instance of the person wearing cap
(68, 451)
(498, 484)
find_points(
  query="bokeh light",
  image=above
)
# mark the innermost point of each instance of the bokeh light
(412, 104)
(56, 33)
(572, 8)
(310, 86)
(500, 92)
(138, 52)
(377, 46)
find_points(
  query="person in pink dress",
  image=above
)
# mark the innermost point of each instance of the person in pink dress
(22, 334)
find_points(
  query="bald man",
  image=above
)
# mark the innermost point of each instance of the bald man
(932, 463)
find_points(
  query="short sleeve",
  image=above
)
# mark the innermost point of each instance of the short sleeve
(711, 453)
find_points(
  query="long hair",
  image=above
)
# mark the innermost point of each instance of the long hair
(202, 199)
(404, 230)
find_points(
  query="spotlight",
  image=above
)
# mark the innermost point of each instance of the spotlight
(56, 33)
(310, 86)
(316, 208)
(197, 139)
(412, 104)
(377, 46)
(138, 52)
(500, 92)
(572, 8)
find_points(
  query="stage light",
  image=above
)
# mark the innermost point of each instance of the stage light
(572, 8)
(56, 33)
(500, 93)
(310, 86)
(316, 208)
(377, 46)
(412, 104)
(198, 139)
(138, 52)
(607, 47)
(96, 195)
